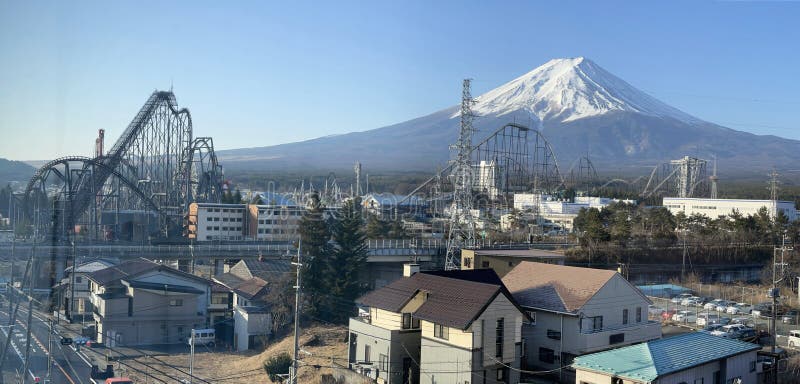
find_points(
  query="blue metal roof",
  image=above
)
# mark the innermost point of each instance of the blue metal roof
(646, 362)
(662, 290)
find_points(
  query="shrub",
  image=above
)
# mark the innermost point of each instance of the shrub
(278, 364)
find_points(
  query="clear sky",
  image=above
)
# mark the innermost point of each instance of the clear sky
(265, 73)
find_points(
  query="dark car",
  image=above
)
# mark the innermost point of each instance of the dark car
(791, 317)
(66, 341)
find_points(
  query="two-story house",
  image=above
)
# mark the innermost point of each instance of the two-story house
(81, 305)
(251, 316)
(439, 327)
(575, 311)
(141, 302)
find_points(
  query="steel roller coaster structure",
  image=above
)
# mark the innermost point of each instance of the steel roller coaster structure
(155, 169)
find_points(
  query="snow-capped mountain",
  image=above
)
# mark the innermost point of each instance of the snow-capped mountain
(569, 89)
(581, 109)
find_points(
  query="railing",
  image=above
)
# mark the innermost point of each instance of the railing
(405, 243)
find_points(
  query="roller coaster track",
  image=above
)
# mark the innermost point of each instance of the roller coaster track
(155, 159)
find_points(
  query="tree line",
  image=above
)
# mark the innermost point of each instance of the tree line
(621, 232)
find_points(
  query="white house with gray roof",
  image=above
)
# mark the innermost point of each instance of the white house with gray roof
(575, 311)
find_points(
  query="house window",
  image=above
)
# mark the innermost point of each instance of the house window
(176, 303)
(616, 338)
(532, 316)
(467, 262)
(546, 355)
(752, 366)
(638, 314)
(555, 335)
(78, 279)
(485, 264)
(383, 362)
(499, 335)
(409, 322)
(366, 354)
(441, 332)
(625, 316)
(596, 323)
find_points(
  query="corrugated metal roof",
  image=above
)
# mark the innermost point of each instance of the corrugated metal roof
(649, 361)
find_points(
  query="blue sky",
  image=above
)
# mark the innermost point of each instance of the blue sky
(265, 73)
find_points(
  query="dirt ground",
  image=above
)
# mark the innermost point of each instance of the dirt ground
(327, 346)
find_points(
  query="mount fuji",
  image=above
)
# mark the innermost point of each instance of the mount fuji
(577, 105)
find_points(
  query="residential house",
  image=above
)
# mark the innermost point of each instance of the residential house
(389, 204)
(248, 282)
(140, 302)
(689, 358)
(82, 305)
(251, 316)
(439, 327)
(575, 311)
(503, 261)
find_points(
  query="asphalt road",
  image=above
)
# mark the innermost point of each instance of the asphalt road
(68, 367)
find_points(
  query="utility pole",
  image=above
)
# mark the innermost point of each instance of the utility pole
(13, 315)
(683, 263)
(72, 282)
(50, 352)
(31, 282)
(298, 288)
(13, 246)
(776, 279)
(191, 357)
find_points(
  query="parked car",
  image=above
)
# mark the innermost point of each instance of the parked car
(677, 299)
(667, 314)
(691, 300)
(712, 305)
(66, 341)
(711, 328)
(684, 317)
(746, 321)
(739, 309)
(654, 310)
(791, 317)
(704, 319)
(794, 338)
(749, 335)
(759, 308)
(724, 320)
(723, 305)
(731, 331)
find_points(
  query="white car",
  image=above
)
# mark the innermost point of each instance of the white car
(691, 300)
(679, 298)
(684, 317)
(731, 331)
(712, 305)
(704, 319)
(738, 309)
(723, 305)
(654, 310)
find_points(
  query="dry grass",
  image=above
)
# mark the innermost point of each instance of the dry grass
(327, 345)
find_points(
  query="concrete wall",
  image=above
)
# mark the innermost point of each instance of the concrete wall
(250, 324)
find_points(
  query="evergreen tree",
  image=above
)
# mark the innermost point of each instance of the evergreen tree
(345, 264)
(314, 234)
(375, 228)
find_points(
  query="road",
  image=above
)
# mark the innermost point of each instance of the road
(68, 367)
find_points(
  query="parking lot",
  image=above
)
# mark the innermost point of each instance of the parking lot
(759, 323)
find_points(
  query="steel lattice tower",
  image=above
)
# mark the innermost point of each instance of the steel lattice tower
(462, 224)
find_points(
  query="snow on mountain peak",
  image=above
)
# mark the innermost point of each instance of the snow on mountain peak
(570, 89)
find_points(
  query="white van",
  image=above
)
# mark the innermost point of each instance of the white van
(794, 338)
(203, 337)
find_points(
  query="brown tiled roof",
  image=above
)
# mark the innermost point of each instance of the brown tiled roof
(555, 287)
(252, 289)
(228, 279)
(451, 301)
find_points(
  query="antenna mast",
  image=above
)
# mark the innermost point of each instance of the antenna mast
(462, 224)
